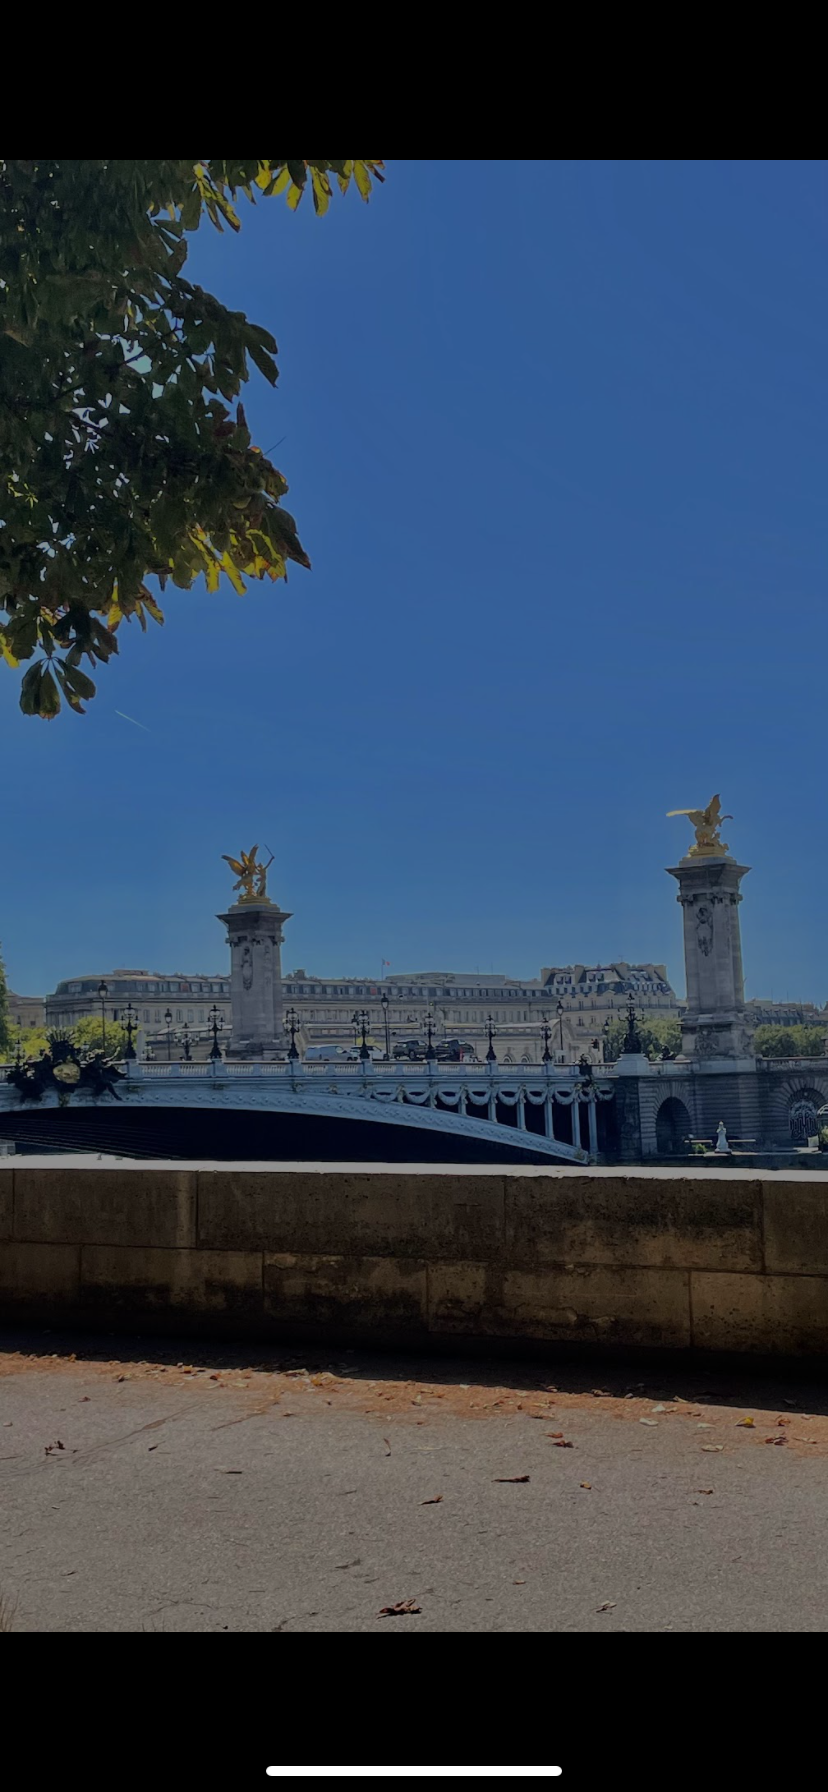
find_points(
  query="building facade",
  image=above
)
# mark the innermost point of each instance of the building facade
(573, 1001)
(26, 1011)
(152, 994)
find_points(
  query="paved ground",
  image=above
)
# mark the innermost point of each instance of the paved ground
(247, 1491)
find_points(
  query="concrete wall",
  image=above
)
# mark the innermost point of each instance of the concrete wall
(711, 1261)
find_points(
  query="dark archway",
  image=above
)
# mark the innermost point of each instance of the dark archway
(672, 1128)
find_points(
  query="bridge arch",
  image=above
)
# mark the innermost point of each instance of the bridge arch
(673, 1127)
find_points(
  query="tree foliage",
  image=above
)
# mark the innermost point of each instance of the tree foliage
(90, 1036)
(789, 1042)
(5, 1021)
(120, 455)
(657, 1033)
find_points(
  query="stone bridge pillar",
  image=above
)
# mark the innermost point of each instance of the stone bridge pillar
(254, 935)
(714, 1025)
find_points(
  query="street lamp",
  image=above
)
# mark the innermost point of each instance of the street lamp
(216, 1021)
(292, 1027)
(103, 992)
(168, 1020)
(186, 1031)
(605, 1040)
(428, 1023)
(131, 1018)
(360, 1020)
(546, 1035)
(384, 1007)
(560, 1014)
(491, 1055)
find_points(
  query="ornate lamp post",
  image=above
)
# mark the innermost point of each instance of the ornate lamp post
(216, 1022)
(103, 992)
(428, 1026)
(186, 1031)
(491, 1055)
(292, 1027)
(560, 1013)
(131, 1018)
(632, 1043)
(361, 1019)
(384, 1007)
(168, 1023)
(546, 1035)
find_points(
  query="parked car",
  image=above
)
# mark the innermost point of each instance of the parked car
(327, 1054)
(456, 1051)
(409, 1048)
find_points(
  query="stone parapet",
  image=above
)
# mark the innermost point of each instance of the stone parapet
(708, 1260)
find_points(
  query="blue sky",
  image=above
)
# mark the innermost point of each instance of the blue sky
(555, 437)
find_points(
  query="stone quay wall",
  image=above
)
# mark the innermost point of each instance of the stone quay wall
(424, 1256)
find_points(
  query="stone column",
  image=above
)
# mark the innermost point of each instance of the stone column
(254, 935)
(714, 1025)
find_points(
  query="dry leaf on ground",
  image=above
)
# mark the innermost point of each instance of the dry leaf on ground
(436, 1501)
(712, 1448)
(746, 1421)
(505, 1478)
(402, 1609)
(776, 1440)
(608, 1606)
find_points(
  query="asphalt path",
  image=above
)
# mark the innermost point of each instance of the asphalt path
(147, 1489)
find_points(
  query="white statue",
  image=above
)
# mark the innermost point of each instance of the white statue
(721, 1140)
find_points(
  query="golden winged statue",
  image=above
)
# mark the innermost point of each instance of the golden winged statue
(707, 823)
(251, 875)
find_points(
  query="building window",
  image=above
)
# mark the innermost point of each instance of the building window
(146, 1014)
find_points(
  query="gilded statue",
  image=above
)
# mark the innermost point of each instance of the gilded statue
(252, 877)
(707, 823)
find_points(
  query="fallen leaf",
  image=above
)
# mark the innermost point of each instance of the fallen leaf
(648, 1421)
(608, 1606)
(554, 1434)
(57, 1445)
(704, 1490)
(505, 1478)
(401, 1610)
(518, 1583)
(561, 1443)
(82, 1398)
(231, 1471)
(659, 1409)
(712, 1448)
(587, 1485)
(418, 1400)
(776, 1440)
(600, 1394)
(436, 1501)
(703, 1426)
(387, 1446)
(153, 1446)
(784, 1421)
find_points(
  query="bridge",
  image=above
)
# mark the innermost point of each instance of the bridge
(355, 1111)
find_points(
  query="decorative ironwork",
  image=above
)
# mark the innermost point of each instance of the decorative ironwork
(491, 1030)
(131, 1022)
(61, 1071)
